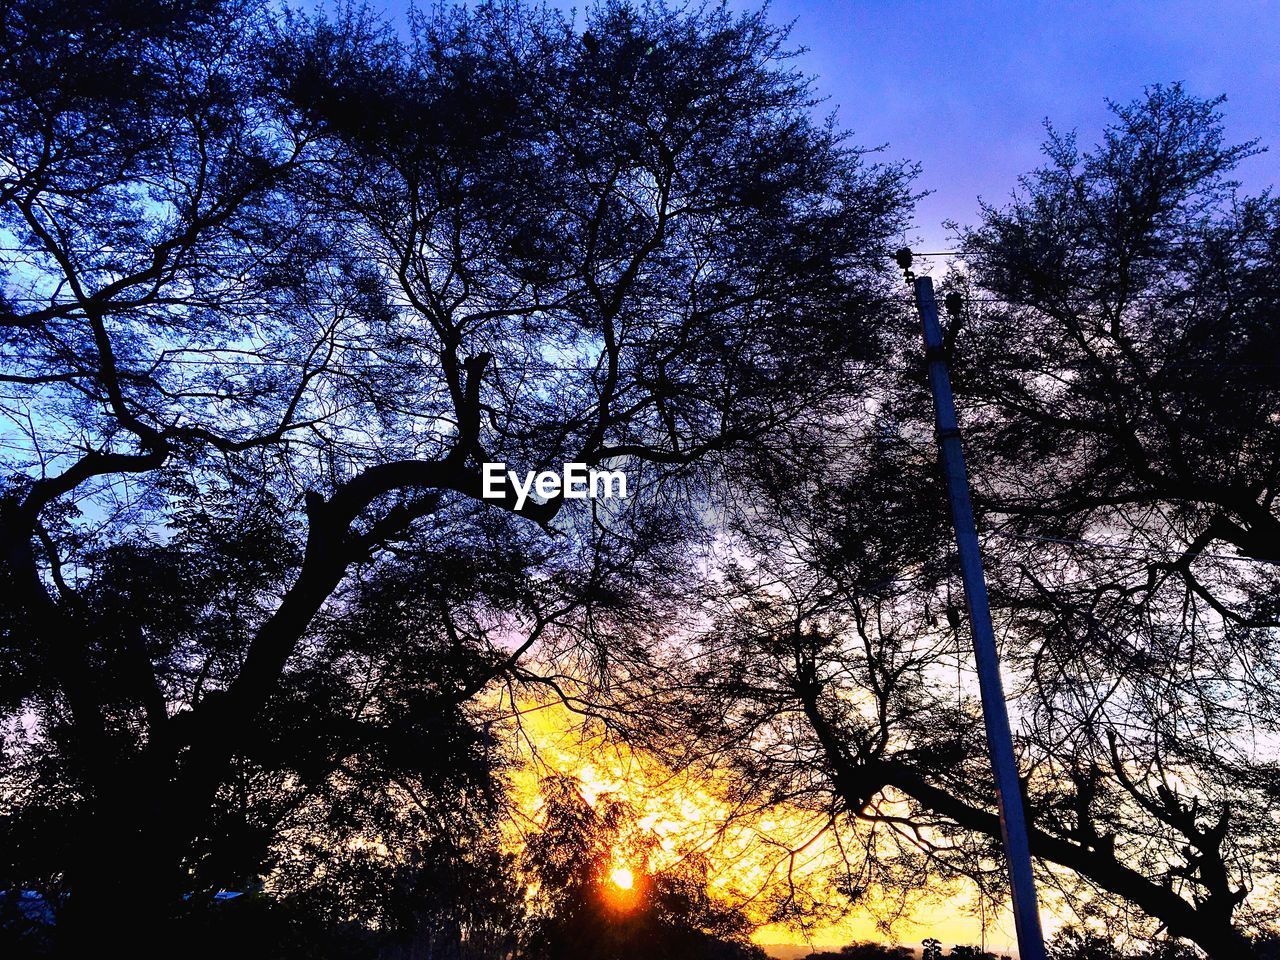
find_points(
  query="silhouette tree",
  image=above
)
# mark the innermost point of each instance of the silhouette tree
(280, 286)
(1155, 324)
(865, 951)
(583, 912)
(973, 953)
(1120, 427)
(1074, 943)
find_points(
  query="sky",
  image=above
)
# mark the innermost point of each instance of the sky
(683, 814)
(963, 87)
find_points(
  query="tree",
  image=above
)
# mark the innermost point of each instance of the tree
(1143, 288)
(280, 287)
(1074, 943)
(865, 951)
(1140, 279)
(975, 953)
(1117, 430)
(369, 800)
(583, 912)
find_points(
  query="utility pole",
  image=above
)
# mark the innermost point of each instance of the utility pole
(995, 713)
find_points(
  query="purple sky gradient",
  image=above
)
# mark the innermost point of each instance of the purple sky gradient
(963, 87)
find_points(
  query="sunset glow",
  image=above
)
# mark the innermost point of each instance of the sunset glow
(687, 815)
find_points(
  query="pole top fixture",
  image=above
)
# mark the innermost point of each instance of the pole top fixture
(904, 258)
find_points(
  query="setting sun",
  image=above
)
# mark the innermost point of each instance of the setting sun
(622, 878)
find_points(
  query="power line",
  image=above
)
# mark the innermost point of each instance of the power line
(1140, 552)
(1208, 244)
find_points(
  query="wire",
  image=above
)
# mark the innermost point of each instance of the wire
(1183, 247)
(1132, 551)
(1206, 243)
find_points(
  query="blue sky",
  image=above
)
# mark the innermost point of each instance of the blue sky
(962, 87)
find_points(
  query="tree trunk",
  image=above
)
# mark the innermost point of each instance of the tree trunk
(124, 886)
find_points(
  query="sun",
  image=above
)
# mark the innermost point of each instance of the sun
(622, 878)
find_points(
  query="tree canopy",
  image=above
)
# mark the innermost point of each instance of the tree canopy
(1120, 412)
(276, 287)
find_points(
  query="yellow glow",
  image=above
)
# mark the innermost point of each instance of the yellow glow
(690, 814)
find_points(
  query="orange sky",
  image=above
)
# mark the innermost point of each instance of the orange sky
(687, 816)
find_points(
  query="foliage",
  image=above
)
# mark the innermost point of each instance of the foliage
(1075, 943)
(1121, 446)
(275, 287)
(582, 913)
(864, 951)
